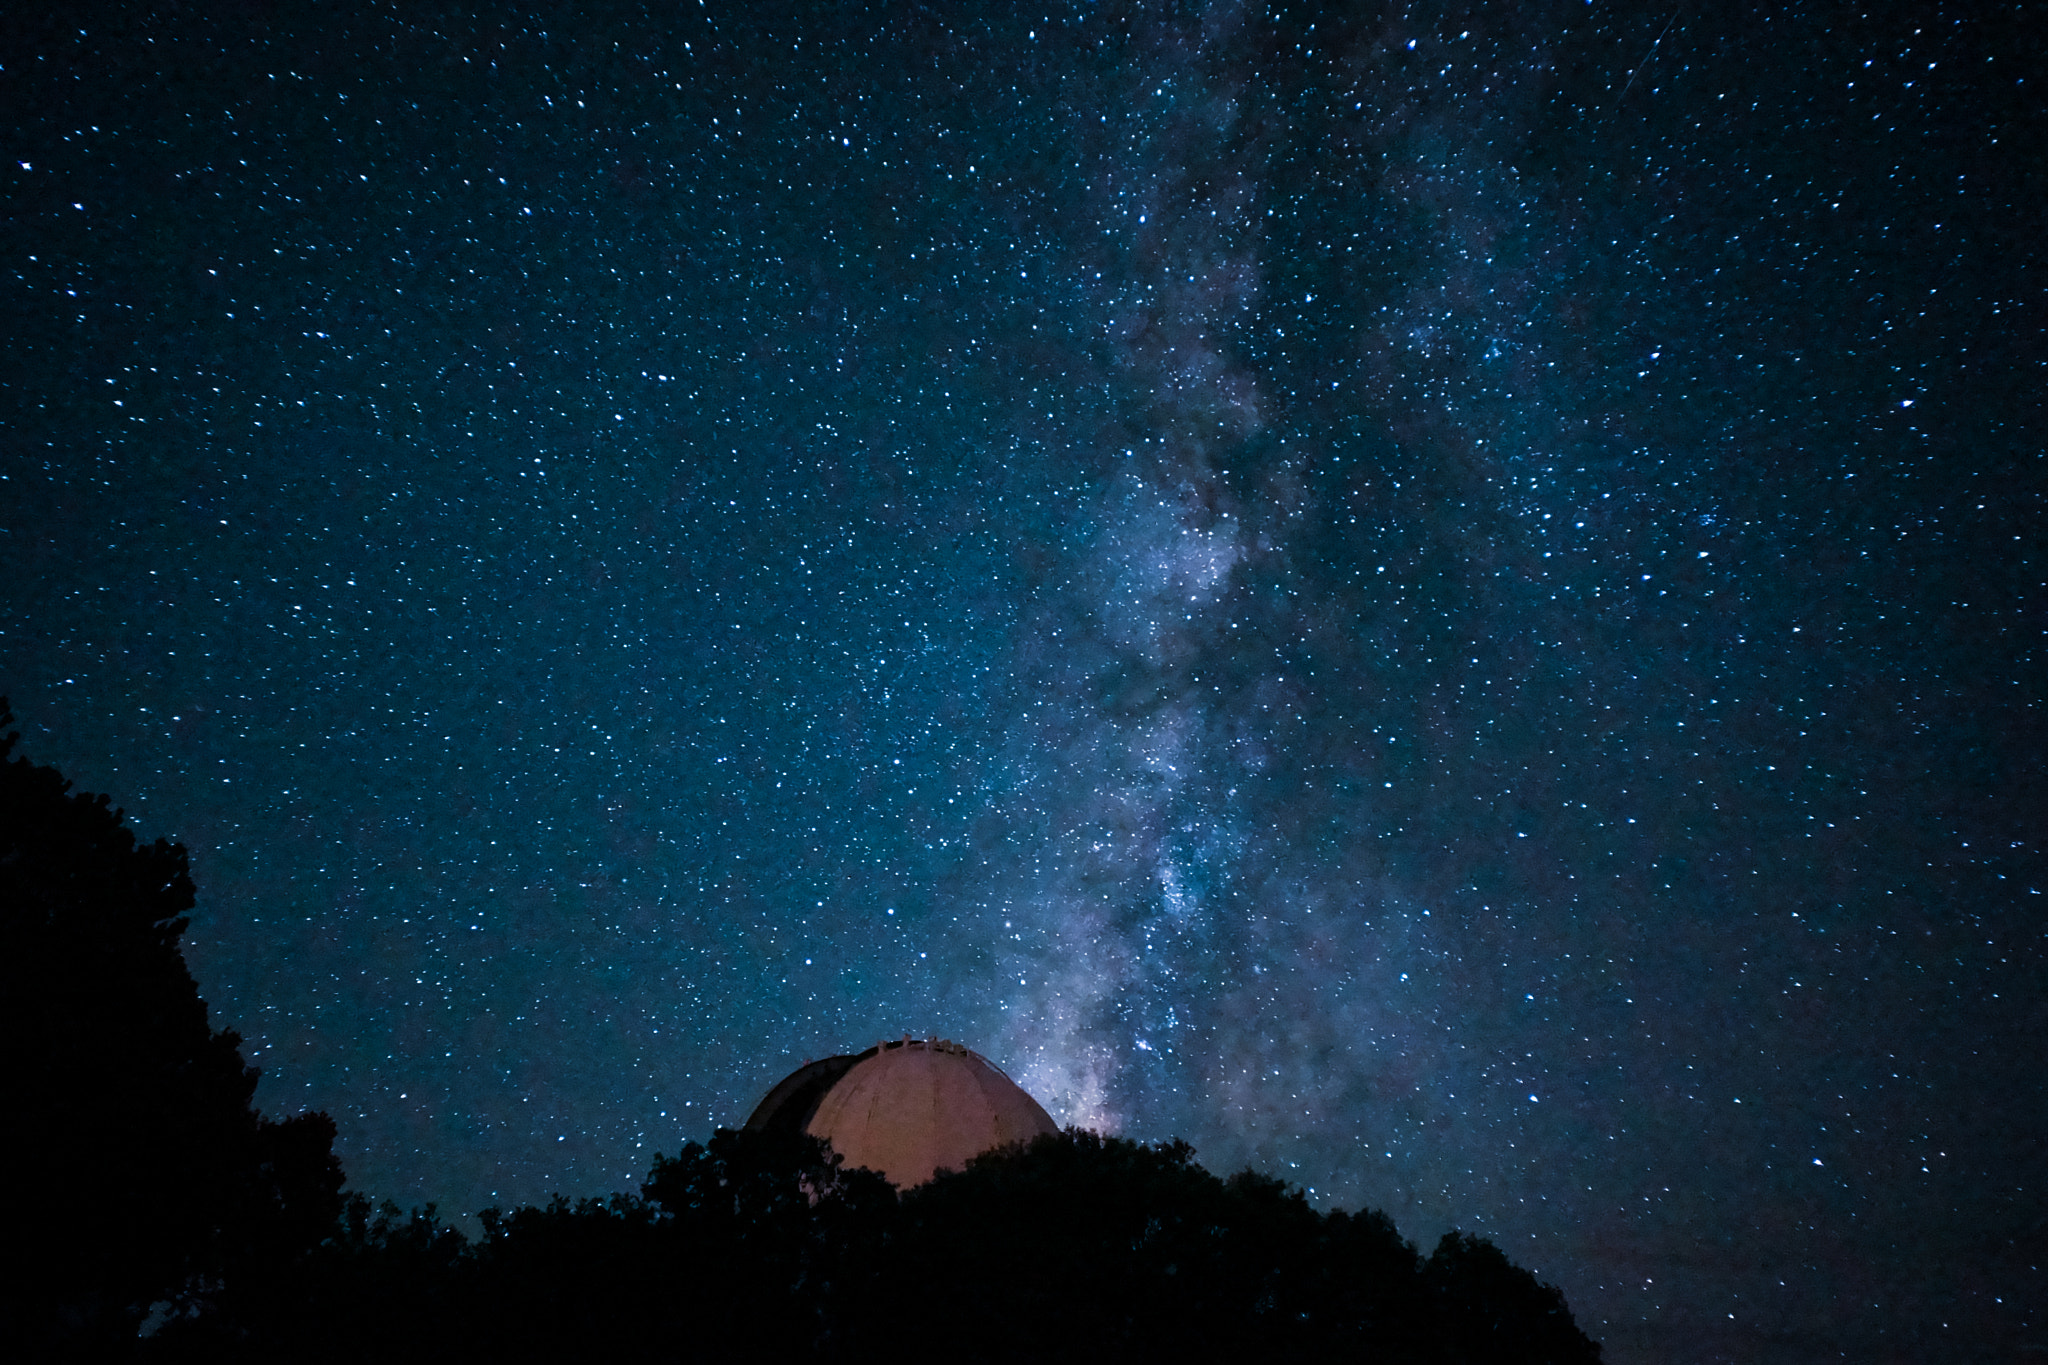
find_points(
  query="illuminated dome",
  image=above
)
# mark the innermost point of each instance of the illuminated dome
(906, 1109)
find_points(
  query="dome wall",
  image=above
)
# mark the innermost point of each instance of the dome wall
(906, 1109)
(789, 1106)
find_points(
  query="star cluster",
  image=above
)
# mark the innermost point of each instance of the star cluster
(1442, 602)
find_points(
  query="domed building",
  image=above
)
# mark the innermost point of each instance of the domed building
(907, 1109)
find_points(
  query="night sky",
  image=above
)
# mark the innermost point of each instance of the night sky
(1447, 603)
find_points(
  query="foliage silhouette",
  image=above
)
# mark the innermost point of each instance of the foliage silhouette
(1081, 1242)
(1492, 1310)
(757, 1247)
(384, 1284)
(140, 1172)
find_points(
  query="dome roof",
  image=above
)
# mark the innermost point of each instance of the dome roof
(906, 1109)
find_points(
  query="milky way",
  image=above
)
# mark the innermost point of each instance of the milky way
(1443, 603)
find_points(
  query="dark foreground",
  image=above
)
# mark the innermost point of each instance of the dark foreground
(1078, 1245)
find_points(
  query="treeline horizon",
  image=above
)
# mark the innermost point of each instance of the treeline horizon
(162, 1217)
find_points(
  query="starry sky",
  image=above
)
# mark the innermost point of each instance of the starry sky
(1445, 602)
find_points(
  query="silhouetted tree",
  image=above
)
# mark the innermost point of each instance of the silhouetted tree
(1084, 1242)
(738, 1249)
(546, 1283)
(138, 1171)
(1490, 1311)
(759, 1246)
(384, 1285)
(1075, 1239)
(772, 1234)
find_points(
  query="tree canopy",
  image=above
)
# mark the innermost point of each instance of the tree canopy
(140, 1172)
(759, 1246)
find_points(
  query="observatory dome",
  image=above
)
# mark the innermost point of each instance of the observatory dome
(906, 1109)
